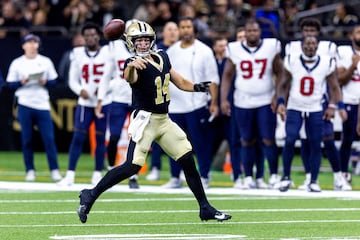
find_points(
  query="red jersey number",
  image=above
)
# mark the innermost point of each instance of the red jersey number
(96, 71)
(306, 86)
(247, 68)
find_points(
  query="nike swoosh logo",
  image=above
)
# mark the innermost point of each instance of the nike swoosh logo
(222, 216)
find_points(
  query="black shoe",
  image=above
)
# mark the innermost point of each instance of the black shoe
(133, 184)
(210, 213)
(86, 202)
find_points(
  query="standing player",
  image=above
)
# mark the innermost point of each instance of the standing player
(306, 75)
(349, 78)
(311, 27)
(191, 111)
(254, 61)
(86, 70)
(149, 73)
(121, 98)
(31, 75)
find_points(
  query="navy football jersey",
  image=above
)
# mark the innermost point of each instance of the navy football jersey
(151, 91)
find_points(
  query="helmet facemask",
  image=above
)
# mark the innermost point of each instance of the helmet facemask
(138, 30)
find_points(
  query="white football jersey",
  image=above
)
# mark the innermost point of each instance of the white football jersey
(86, 70)
(32, 94)
(195, 63)
(308, 82)
(324, 48)
(114, 71)
(350, 91)
(254, 85)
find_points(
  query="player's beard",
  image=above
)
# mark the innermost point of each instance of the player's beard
(357, 42)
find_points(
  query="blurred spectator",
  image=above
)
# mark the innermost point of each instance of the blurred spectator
(170, 35)
(220, 23)
(345, 18)
(39, 18)
(109, 9)
(13, 17)
(199, 6)
(269, 17)
(240, 11)
(164, 15)
(77, 14)
(240, 34)
(57, 13)
(289, 7)
(146, 11)
(30, 9)
(64, 64)
(200, 21)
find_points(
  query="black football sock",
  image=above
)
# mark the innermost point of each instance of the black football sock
(114, 176)
(193, 178)
(112, 149)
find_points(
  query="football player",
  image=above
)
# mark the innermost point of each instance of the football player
(149, 74)
(254, 61)
(86, 70)
(307, 75)
(311, 27)
(349, 78)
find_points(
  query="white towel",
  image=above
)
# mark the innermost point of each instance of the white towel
(138, 124)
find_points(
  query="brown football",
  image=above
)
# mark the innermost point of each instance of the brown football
(114, 29)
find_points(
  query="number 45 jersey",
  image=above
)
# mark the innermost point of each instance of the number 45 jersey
(308, 82)
(86, 70)
(254, 84)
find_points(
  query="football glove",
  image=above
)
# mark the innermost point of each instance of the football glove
(202, 87)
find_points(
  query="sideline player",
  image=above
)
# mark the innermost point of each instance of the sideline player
(311, 27)
(149, 73)
(86, 70)
(349, 78)
(254, 91)
(31, 75)
(113, 81)
(306, 75)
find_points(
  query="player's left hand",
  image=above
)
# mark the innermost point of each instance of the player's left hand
(42, 81)
(343, 115)
(329, 113)
(202, 87)
(98, 112)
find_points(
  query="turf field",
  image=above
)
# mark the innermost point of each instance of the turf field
(41, 210)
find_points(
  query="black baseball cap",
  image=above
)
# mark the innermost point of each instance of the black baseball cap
(29, 37)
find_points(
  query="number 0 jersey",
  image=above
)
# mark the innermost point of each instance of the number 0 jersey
(151, 91)
(254, 85)
(308, 82)
(86, 70)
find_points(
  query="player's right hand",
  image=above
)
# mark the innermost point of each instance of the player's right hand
(139, 63)
(225, 108)
(281, 110)
(84, 94)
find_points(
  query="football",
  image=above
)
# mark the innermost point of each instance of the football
(114, 29)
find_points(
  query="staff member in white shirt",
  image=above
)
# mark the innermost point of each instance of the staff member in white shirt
(31, 75)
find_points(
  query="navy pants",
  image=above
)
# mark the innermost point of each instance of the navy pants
(28, 117)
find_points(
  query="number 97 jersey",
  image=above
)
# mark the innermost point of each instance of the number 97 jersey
(254, 85)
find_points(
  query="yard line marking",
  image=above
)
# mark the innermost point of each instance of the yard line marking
(177, 223)
(188, 211)
(148, 199)
(150, 236)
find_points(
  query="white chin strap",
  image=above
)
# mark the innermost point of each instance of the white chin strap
(143, 54)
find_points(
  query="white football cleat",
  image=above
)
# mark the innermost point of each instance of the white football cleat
(30, 175)
(173, 183)
(55, 175)
(153, 175)
(68, 180)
